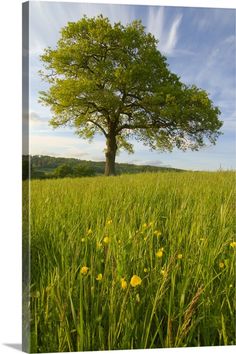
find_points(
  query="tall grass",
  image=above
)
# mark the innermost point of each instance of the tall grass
(115, 226)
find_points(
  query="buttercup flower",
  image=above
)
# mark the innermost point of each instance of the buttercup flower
(159, 253)
(163, 272)
(123, 283)
(135, 281)
(99, 277)
(180, 256)
(106, 240)
(84, 270)
(233, 244)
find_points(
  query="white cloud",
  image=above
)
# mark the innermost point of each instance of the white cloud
(34, 118)
(148, 162)
(173, 35)
(47, 19)
(64, 146)
(156, 22)
(167, 34)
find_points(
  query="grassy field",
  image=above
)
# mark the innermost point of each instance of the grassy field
(135, 261)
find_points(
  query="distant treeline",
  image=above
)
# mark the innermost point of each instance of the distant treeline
(40, 167)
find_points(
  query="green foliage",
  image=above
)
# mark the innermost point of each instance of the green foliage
(83, 171)
(49, 167)
(186, 301)
(63, 171)
(66, 170)
(112, 79)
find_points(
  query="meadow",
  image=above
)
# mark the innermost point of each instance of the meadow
(133, 261)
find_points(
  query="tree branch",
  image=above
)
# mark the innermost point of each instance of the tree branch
(99, 126)
(146, 126)
(135, 126)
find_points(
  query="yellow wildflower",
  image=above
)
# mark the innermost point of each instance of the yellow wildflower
(163, 272)
(233, 244)
(135, 281)
(109, 222)
(123, 283)
(84, 270)
(89, 232)
(221, 264)
(144, 225)
(157, 233)
(159, 253)
(145, 270)
(106, 240)
(99, 277)
(180, 256)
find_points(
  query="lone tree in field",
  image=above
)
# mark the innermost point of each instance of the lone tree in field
(112, 79)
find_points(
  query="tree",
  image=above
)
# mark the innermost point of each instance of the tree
(63, 171)
(112, 79)
(84, 171)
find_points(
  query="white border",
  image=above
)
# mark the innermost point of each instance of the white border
(10, 185)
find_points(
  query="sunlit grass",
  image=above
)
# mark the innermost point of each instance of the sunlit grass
(134, 261)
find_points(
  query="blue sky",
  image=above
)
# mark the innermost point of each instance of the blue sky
(200, 46)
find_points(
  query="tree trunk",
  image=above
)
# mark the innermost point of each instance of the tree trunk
(111, 149)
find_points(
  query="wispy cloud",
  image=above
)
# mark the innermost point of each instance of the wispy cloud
(155, 22)
(166, 33)
(64, 146)
(173, 35)
(47, 19)
(35, 118)
(205, 23)
(153, 162)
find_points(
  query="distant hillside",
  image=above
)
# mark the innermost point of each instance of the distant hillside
(51, 167)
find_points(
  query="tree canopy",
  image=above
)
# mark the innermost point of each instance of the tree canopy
(112, 79)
